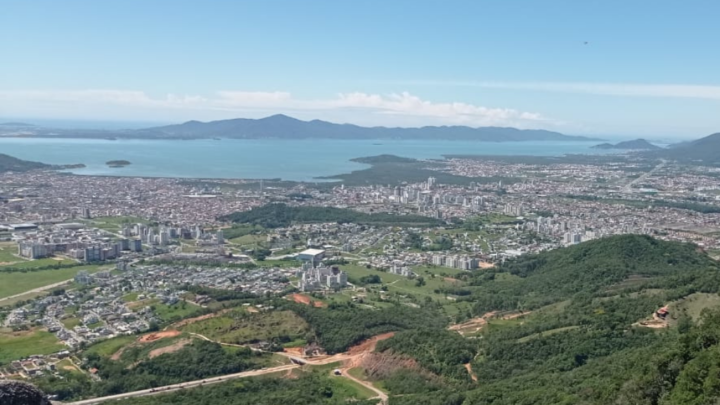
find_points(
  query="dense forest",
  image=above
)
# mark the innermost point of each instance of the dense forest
(532, 281)
(281, 215)
(342, 325)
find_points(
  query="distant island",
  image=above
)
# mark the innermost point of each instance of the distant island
(71, 166)
(117, 163)
(284, 127)
(637, 144)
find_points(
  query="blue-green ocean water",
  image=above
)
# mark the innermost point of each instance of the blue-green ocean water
(300, 160)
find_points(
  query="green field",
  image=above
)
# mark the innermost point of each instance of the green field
(130, 297)
(403, 285)
(7, 253)
(107, 347)
(18, 282)
(178, 311)
(33, 264)
(693, 304)
(115, 223)
(17, 345)
(249, 240)
(67, 365)
(71, 322)
(240, 327)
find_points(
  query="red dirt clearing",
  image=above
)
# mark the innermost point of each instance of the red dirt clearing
(367, 346)
(301, 299)
(158, 335)
(295, 351)
(304, 299)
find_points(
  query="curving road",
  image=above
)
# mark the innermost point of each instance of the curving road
(189, 384)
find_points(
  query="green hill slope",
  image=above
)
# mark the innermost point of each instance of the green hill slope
(281, 215)
(13, 164)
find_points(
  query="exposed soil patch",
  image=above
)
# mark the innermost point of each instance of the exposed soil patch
(151, 337)
(304, 299)
(295, 351)
(468, 367)
(170, 349)
(367, 346)
(473, 325)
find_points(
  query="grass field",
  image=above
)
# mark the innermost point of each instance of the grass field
(115, 223)
(17, 345)
(24, 297)
(240, 327)
(33, 264)
(17, 282)
(7, 253)
(71, 322)
(130, 297)
(107, 347)
(693, 305)
(249, 240)
(404, 285)
(348, 388)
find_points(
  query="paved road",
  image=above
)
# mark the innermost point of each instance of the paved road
(190, 384)
(383, 396)
(628, 187)
(39, 289)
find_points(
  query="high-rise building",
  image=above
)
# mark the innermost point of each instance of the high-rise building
(220, 237)
(430, 182)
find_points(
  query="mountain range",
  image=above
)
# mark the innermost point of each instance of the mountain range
(284, 127)
(704, 150)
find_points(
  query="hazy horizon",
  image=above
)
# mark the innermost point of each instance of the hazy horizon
(594, 69)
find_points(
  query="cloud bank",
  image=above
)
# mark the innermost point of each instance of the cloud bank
(395, 109)
(607, 89)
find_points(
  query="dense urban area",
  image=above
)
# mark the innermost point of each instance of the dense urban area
(468, 280)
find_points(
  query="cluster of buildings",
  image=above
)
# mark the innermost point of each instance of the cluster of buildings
(456, 261)
(73, 240)
(321, 278)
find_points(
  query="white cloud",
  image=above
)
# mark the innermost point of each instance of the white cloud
(359, 108)
(611, 89)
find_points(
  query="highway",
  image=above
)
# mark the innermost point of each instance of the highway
(628, 187)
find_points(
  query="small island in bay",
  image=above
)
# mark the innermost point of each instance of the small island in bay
(117, 163)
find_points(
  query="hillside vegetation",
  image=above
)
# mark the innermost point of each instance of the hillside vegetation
(13, 164)
(281, 215)
(574, 336)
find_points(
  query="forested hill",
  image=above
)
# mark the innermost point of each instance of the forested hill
(13, 164)
(626, 262)
(566, 327)
(281, 215)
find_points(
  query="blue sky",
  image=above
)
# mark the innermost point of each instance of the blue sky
(649, 68)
